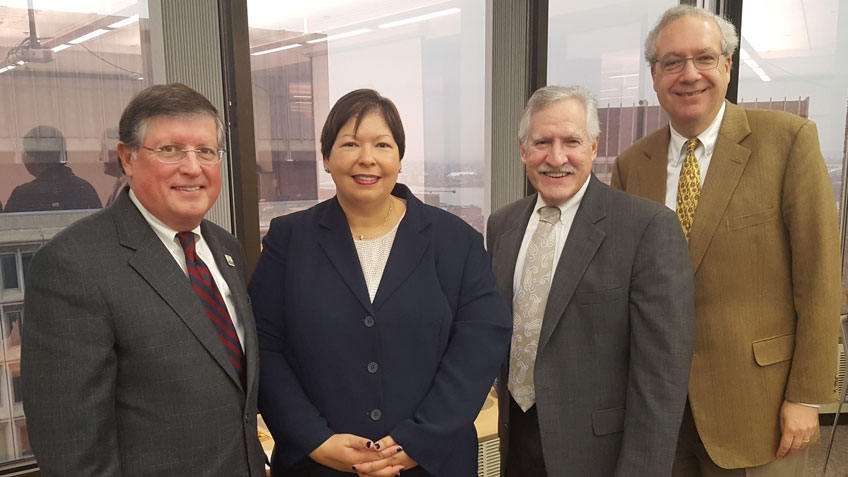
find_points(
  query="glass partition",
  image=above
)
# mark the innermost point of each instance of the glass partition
(428, 56)
(67, 69)
(600, 45)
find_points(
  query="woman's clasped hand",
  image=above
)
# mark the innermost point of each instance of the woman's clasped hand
(347, 452)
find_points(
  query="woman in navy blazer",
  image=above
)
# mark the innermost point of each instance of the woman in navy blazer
(380, 325)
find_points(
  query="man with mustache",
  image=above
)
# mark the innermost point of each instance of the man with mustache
(755, 201)
(601, 293)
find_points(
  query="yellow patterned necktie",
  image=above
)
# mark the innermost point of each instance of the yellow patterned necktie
(529, 307)
(689, 187)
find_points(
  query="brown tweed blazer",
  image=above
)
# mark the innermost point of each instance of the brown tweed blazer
(765, 252)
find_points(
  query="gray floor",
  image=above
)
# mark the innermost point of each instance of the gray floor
(838, 465)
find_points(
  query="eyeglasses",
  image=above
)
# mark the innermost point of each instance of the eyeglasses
(171, 154)
(675, 64)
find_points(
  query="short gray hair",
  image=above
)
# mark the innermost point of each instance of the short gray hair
(729, 38)
(548, 95)
(174, 100)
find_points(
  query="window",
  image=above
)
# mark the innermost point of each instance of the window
(792, 59)
(65, 77)
(427, 56)
(600, 45)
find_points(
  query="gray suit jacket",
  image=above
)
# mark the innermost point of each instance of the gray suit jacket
(123, 372)
(616, 342)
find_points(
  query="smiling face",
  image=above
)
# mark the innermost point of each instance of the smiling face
(558, 154)
(364, 163)
(177, 194)
(691, 97)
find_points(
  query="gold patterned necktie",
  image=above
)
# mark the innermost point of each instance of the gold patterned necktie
(529, 307)
(689, 187)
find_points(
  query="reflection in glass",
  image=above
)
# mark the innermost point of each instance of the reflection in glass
(56, 76)
(55, 186)
(427, 55)
(65, 76)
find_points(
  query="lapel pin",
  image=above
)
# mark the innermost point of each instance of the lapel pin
(229, 260)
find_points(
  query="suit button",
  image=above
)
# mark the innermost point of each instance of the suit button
(247, 419)
(373, 367)
(369, 321)
(376, 414)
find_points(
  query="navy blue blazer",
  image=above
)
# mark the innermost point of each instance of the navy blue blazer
(416, 364)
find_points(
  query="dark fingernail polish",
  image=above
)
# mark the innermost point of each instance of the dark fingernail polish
(353, 467)
(400, 449)
(368, 444)
(377, 446)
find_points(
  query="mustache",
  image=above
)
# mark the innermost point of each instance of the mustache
(567, 169)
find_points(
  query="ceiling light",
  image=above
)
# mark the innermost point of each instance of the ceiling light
(341, 35)
(125, 22)
(273, 50)
(420, 18)
(88, 36)
(7, 68)
(61, 47)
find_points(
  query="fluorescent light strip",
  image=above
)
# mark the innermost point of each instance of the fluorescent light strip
(341, 35)
(125, 22)
(274, 50)
(63, 46)
(21, 62)
(746, 58)
(420, 18)
(88, 36)
(7, 68)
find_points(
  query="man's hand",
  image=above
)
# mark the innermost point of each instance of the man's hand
(342, 451)
(391, 459)
(798, 425)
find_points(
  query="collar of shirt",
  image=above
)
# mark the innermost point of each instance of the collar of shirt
(567, 209)
(708, 138)
(168, 237)
(166, 234)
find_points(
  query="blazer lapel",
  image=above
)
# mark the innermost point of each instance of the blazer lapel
(651, 170)
(726, 167)
(505, 249)
(335, 239)
(409, 246)
(235, 281)
(156, 265)
(582, 243)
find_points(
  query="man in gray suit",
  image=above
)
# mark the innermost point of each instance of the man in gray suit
(139, 349)
(601, 291)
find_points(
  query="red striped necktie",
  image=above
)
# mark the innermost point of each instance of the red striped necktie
(204, 285)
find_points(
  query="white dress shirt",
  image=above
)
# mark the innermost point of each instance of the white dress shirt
(677, 152)
(168, 236)
(568, 210)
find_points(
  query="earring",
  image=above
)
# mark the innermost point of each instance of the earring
(400, 170)
(327, 170)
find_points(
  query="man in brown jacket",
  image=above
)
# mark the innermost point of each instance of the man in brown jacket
(754, 198)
